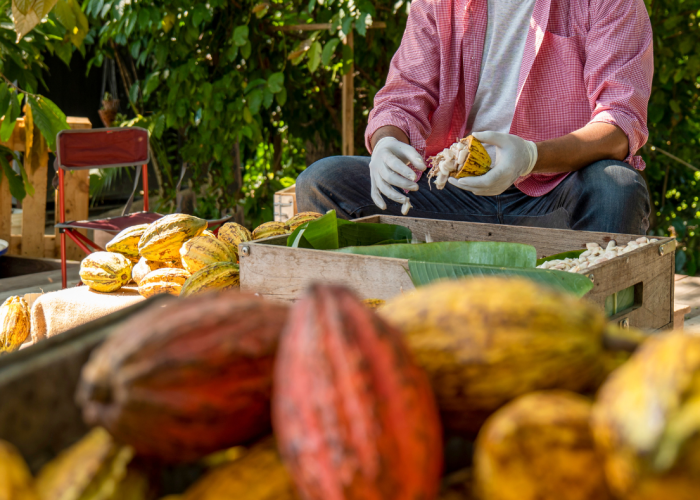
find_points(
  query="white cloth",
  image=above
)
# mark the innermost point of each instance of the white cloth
(506, 34)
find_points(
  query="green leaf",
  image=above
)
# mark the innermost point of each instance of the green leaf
(276, 82)
(159, 126)
(314, 55)
(11, 115)
(573, 254)
(152, 82)
(14, 179)
(48, 117)
(4, 98)
(246, 50)
(268, 97)
(281, 97)
(255, 99)
(330, 233)
(348, 58)
(347, 24)
(329, 50)
(240, 35)
(423, 273)
(25, 179)
(489, 253)
(361, 24)
(134, 92)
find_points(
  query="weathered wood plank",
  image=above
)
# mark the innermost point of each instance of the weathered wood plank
(5, 210)
(77, 205)
(643, 266)
(282, 273)
(278, 272)
(34, 207)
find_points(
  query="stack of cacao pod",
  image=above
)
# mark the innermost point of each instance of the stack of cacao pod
(177, 255)
(14, 324)
(358, 399)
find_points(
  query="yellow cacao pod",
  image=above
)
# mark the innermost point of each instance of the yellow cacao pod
(144, 266)
(165, 280)
(478, 161)
(299, 219)
(93, 468)
(105, 271)
(234, 234)
(206, 232)
(201, 251)
(15, 479)
(539, 447)
(127, 242)
(163, 238)
(268, 229)
(218, 276)
(14, 324)
(258, 475)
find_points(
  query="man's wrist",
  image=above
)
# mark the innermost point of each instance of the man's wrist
(388, 131)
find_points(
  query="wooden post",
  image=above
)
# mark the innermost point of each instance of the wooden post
(77, 189)
(34, 207)
(33, 242)
(5, 210)
(348, 98)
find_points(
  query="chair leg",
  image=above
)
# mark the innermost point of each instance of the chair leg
(64, 279)
(144, 179)
(62, 219)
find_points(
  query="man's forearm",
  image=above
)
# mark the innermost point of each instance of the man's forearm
(592, 143)
(389, 131)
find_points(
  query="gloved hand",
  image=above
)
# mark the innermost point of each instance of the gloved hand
(515, 157)
(388, 168)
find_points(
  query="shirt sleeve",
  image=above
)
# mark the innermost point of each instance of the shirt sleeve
(411, 92)
(619, 69)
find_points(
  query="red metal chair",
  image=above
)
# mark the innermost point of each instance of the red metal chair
(101, 148)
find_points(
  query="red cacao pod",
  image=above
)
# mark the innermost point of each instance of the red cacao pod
(354, 416)
(185, 379)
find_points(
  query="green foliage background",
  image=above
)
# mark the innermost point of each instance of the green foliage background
(221, 80)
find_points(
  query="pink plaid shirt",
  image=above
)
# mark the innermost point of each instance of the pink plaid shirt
(585, 61)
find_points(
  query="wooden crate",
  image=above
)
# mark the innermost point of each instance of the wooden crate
(285, 204)
(270, 268)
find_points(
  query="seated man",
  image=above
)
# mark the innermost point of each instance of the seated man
(557, 90)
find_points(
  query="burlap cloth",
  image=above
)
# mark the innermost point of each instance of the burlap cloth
(57, 312)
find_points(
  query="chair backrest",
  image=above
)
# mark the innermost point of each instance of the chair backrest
(102, 148)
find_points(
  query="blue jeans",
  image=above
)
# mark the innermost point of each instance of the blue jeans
(607, 196)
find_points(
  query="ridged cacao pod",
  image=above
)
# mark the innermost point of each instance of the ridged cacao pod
(486, 341)
(234, 234)
(202, 251)
(163, 238)
(539, 447)
(105, 271)
(188, 378)
(269, 229)
(92, 468)
(144, 267)
(477, 162)
(646, 421)
(257, 475)
(206, 232)
(15, 479)
(299, 219)
(353, 414)
(166, 280)
(127, 242)
(218, 276)
(15, 323)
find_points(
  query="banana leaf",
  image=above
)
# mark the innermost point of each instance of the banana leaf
(456, 252)
(423, 273)
(573, 254)
(330, 233)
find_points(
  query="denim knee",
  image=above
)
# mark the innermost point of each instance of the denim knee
(613, 181)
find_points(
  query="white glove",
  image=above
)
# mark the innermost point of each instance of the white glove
(388, 168)
(515, 157)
